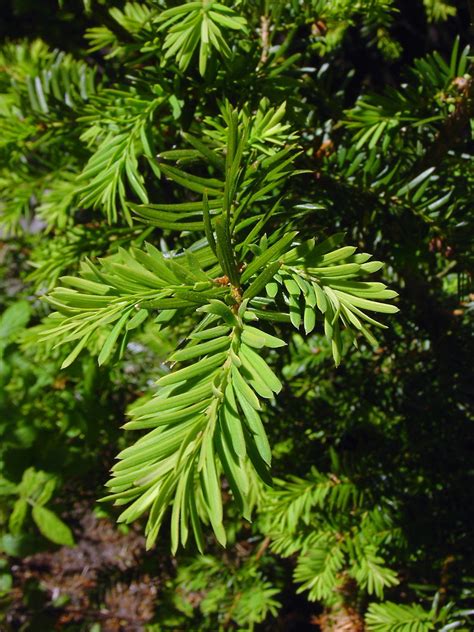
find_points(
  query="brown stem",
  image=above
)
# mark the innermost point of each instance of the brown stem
(265, 37)
(262, 548)
(343, 615)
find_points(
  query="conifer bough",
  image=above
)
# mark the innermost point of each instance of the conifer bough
(233, 289)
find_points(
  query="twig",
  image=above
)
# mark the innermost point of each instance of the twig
(265, 37)
(262, 548)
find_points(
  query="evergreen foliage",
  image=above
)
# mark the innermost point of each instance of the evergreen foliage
(191, 204)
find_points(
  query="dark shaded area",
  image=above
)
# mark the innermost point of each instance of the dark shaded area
(61, 28)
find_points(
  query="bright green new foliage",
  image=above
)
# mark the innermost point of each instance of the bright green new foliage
(229, 287)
